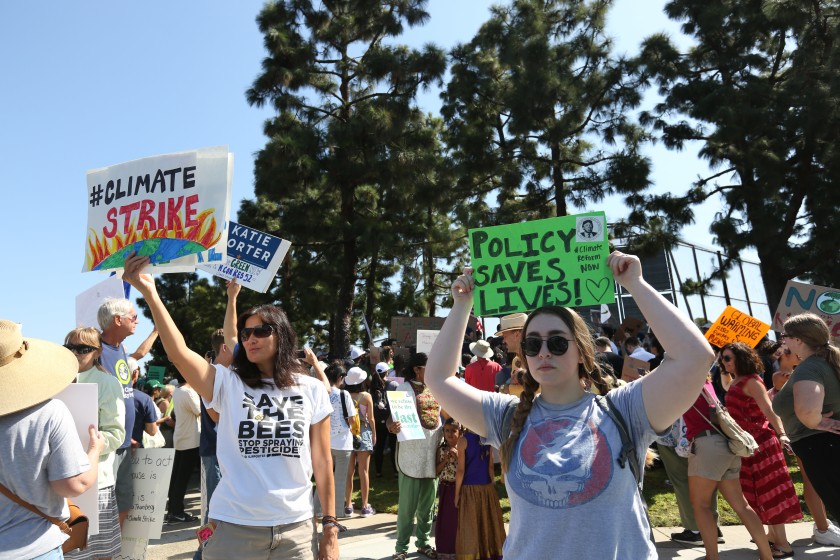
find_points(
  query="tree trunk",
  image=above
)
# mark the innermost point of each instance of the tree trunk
(559, 183)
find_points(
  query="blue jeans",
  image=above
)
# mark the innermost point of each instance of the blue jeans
(212, 476)
(54, 554)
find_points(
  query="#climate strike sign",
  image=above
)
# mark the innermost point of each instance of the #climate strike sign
(557, 261)
(253, 257)
(165, 207)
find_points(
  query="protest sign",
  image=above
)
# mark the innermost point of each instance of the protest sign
(165, 207)
(157, 373)
(404, 412)
(808, 298)
(735, 326)
(253, 257)
(132, 549)
(558, 261)
(88, 302)
(425, 339)
(634, 368)
(150, 473)
(82, 399)
(404, 329)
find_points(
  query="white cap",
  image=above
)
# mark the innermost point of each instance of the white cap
(355, 375)
(356, 352)
(382, 367)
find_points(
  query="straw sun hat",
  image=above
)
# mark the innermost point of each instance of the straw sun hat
(31, 370)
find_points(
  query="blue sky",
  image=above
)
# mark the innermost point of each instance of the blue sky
(95, 83)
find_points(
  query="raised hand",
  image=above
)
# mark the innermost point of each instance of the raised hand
(625, 268)
(463, 286)
(134, 264)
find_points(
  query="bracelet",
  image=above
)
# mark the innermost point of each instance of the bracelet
(328, 519)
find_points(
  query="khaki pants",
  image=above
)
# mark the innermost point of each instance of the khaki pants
(296, 541)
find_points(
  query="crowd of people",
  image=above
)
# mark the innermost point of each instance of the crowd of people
(280, 436)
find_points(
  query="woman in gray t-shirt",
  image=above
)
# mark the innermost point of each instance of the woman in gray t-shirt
(559, 449)
(809, 405)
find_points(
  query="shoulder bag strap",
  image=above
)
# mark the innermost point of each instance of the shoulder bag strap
(628, 450)
(344, 408)
(14, 497)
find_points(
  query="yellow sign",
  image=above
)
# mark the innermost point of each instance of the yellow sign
(736, 326)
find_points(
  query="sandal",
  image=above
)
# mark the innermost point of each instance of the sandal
(428, 552)
(399, 556)
(779, 553)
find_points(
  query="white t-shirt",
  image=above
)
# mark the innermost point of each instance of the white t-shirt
(642, 354)
(264, 450)
(341, 439)
(187, 434)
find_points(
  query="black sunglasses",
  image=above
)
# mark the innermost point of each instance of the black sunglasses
(263, 331)
(81, 349)
(727, 358)
(557, 345)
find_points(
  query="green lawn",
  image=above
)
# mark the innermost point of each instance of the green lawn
(660, 496)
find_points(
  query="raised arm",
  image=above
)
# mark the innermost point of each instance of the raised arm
(145, 346)
(459, 399)
(192, 366)
(670, 389)
(229, 327)
(311, 359)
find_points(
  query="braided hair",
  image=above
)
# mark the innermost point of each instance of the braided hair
(589, 368)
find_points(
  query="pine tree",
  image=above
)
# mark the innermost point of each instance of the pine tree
(537, 113)
(758, 91)
(345, 146)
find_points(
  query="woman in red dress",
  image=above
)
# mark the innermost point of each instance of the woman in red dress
(765, 478)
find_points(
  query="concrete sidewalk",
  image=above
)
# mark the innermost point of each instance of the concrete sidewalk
(373, 538)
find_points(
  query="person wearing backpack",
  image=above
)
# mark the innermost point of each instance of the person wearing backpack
(570, 473)
(363, 403)
(343, 416)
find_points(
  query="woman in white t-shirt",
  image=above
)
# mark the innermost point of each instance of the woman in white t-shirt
(273, 435)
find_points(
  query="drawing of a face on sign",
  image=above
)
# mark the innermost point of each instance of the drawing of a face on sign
(589, 228)
(829, 303)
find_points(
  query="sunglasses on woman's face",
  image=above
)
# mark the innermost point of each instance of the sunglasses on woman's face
(727, 358)
(263, 331)
(80, 349)
(557, 345)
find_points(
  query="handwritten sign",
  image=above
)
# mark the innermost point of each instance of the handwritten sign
(132, 549)
(157, 373)
(425, 340)
(82, 399)
(253, 257)
(558, 261)
(736, 326)
(150, 473)
(165, 207)
(808, 298)
(634, 368)
(404, 412)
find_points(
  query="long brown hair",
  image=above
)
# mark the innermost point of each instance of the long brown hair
(285, 364)
(813, 332)
(589, 368)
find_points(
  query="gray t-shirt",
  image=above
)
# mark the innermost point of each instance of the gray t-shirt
(39, 445)
(813, 369)
(569, 498)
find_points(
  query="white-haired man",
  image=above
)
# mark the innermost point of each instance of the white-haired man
(118, 320)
